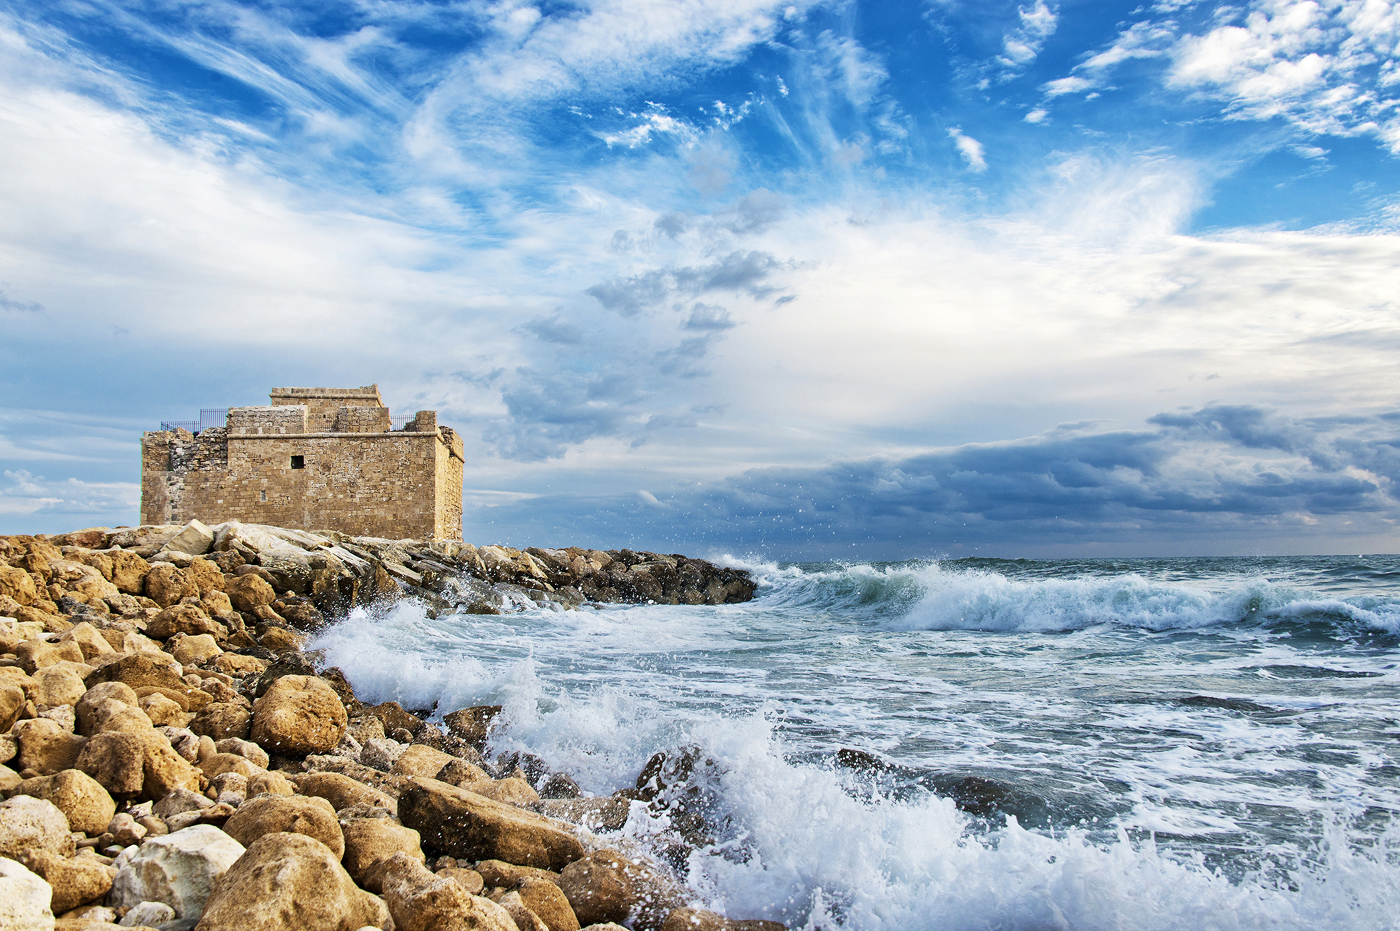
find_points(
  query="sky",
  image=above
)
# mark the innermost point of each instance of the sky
(799, 280)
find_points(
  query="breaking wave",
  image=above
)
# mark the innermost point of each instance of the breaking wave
(937, 596)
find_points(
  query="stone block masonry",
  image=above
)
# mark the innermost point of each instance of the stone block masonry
(314, 459)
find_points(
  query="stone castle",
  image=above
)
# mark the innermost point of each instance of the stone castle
(315, 459)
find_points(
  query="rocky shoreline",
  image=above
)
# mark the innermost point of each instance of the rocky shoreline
(171, 758)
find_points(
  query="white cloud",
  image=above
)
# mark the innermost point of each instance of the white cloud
(970, 149)
(1021, 47)
(1326, 67)
(1037, 115)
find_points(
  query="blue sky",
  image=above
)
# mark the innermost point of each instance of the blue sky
(795, 279)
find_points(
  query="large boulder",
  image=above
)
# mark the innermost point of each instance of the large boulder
(89, 639)
(370, 841)
(422, 760)
(463, 824)
(289, 882)
(11, 705)
(129, 572)
(145, 671)
(136, 765)
(111, 714)
(609, 886)
(298, 715)
(39, 654)
(271, 814)
(95, 695)
(182, 619)
(75, 880)
(179, 869)
(24, 899)
(56, 686)
(45, 746)
(83, 801)
(525, 920)
(420, 901)
(195, 650)
(18, 584)
(166, 585)
(250, 592)
(31, 824)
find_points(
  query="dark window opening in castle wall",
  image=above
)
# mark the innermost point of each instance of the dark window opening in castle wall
(298, 462)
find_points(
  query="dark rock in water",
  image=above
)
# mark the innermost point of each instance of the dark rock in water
(343, 689)
(473, 724)
(1226, 704)
(393, 717)
(560, 785)
(429, 735)
(978, 795)
(535, 769)
(684, 784)
(862, 762)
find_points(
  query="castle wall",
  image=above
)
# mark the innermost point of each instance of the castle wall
(448, 468)
(404, 484)
(323, 405)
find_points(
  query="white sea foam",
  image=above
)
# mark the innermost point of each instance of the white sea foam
(803, 849)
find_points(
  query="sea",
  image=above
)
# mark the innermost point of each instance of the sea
(1136, 744)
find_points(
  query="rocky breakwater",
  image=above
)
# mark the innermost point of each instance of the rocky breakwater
(171, 759)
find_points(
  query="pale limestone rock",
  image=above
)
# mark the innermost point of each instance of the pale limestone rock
(381, 753)
(32, 824)
(548, 901)
(520, 913)
(193, 538)
(244, 748)
(148, 915)
(56, 686)
(25, 899)
(179, 869)
(422, 760)
(45, 746)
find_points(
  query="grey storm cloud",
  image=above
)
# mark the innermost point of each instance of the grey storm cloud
(1208, 471)
(739, 272)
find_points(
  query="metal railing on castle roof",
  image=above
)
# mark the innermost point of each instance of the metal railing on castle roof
(209, 417)
(399, 422)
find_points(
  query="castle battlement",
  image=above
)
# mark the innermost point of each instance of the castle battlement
(313, 459)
